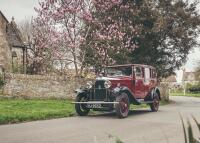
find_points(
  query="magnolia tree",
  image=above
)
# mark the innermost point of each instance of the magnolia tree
(66, 29)
(45, 38)
(58, 30)
(111, 32)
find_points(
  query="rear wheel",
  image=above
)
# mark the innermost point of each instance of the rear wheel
(81, 109)
(122, 109)
(155, 105)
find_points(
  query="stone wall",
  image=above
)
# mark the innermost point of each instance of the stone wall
(38, 86)
(5, 53)
(164, 90)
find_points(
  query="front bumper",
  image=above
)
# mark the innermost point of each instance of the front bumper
(95, 102)
(98, 104)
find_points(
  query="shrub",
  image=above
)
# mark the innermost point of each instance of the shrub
(164, 91)
(1, 81)
(194, 89)
(177, 90)
(188, 86)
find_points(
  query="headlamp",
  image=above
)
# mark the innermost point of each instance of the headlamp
(89, 85)
(107, 84)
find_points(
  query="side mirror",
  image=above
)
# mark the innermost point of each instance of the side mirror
(100, 75)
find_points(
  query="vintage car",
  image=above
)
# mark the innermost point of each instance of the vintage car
(117, 88)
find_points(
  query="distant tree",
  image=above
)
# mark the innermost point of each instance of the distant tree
(165, 32)
(34, 64)
(170, 31)
(26, 28)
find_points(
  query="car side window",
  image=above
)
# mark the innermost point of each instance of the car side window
(153, 73)
(128, 71)
(147, 75)
(138, 72)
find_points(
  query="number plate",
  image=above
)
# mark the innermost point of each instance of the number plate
(94, 106)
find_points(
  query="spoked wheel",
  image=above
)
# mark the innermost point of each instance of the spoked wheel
(155, 105)
(122, 109)
(81, 109)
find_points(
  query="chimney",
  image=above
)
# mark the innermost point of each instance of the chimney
(13, 23)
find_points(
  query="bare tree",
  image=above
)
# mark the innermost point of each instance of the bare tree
(25, 27)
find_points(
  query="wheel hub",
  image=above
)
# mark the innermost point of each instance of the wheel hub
(156, 103)
(124, 106)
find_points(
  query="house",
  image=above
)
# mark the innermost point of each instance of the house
(189, 77)
(170, 80)
(12, 48)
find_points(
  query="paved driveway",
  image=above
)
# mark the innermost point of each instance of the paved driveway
(142, 126)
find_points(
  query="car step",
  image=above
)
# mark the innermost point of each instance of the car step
(141, 101)
(95, 102)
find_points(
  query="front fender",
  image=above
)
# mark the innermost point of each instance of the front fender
(118, 90)
(80, 91)
(158, 92)
(153, 90)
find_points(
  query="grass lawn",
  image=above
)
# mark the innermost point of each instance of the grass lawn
(187, 94)
(21, 110)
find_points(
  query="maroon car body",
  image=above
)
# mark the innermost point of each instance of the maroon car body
(119, 86)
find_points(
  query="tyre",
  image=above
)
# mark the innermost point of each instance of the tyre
(81, 109)
(122, 109)
(155, 105)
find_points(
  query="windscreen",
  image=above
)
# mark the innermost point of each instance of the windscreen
(119, 71)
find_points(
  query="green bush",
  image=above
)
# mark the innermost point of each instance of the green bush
(1, 81)
(194, 89)
(177, 90)
(188, 86)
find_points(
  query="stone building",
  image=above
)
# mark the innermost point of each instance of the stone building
(12, 49)
(170, 80)
(189, 77)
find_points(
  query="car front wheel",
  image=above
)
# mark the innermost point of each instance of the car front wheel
(122, 109)
(155, 105)
(81, 109)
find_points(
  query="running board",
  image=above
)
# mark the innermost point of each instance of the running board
(95, 102)
(103, 102)
(141, 101)
(146, 102)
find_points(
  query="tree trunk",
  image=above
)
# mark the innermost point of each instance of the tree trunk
(75, 62)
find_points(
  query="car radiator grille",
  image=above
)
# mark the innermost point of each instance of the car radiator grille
(98, 92)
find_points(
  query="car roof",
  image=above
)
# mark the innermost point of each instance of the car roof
(126, 65)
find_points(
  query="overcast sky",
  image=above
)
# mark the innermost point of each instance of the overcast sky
(22, 9)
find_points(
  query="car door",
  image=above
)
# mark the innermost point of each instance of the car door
(139, 82)
(147, 80)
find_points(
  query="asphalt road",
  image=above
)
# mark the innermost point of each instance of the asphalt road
(142, 126)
